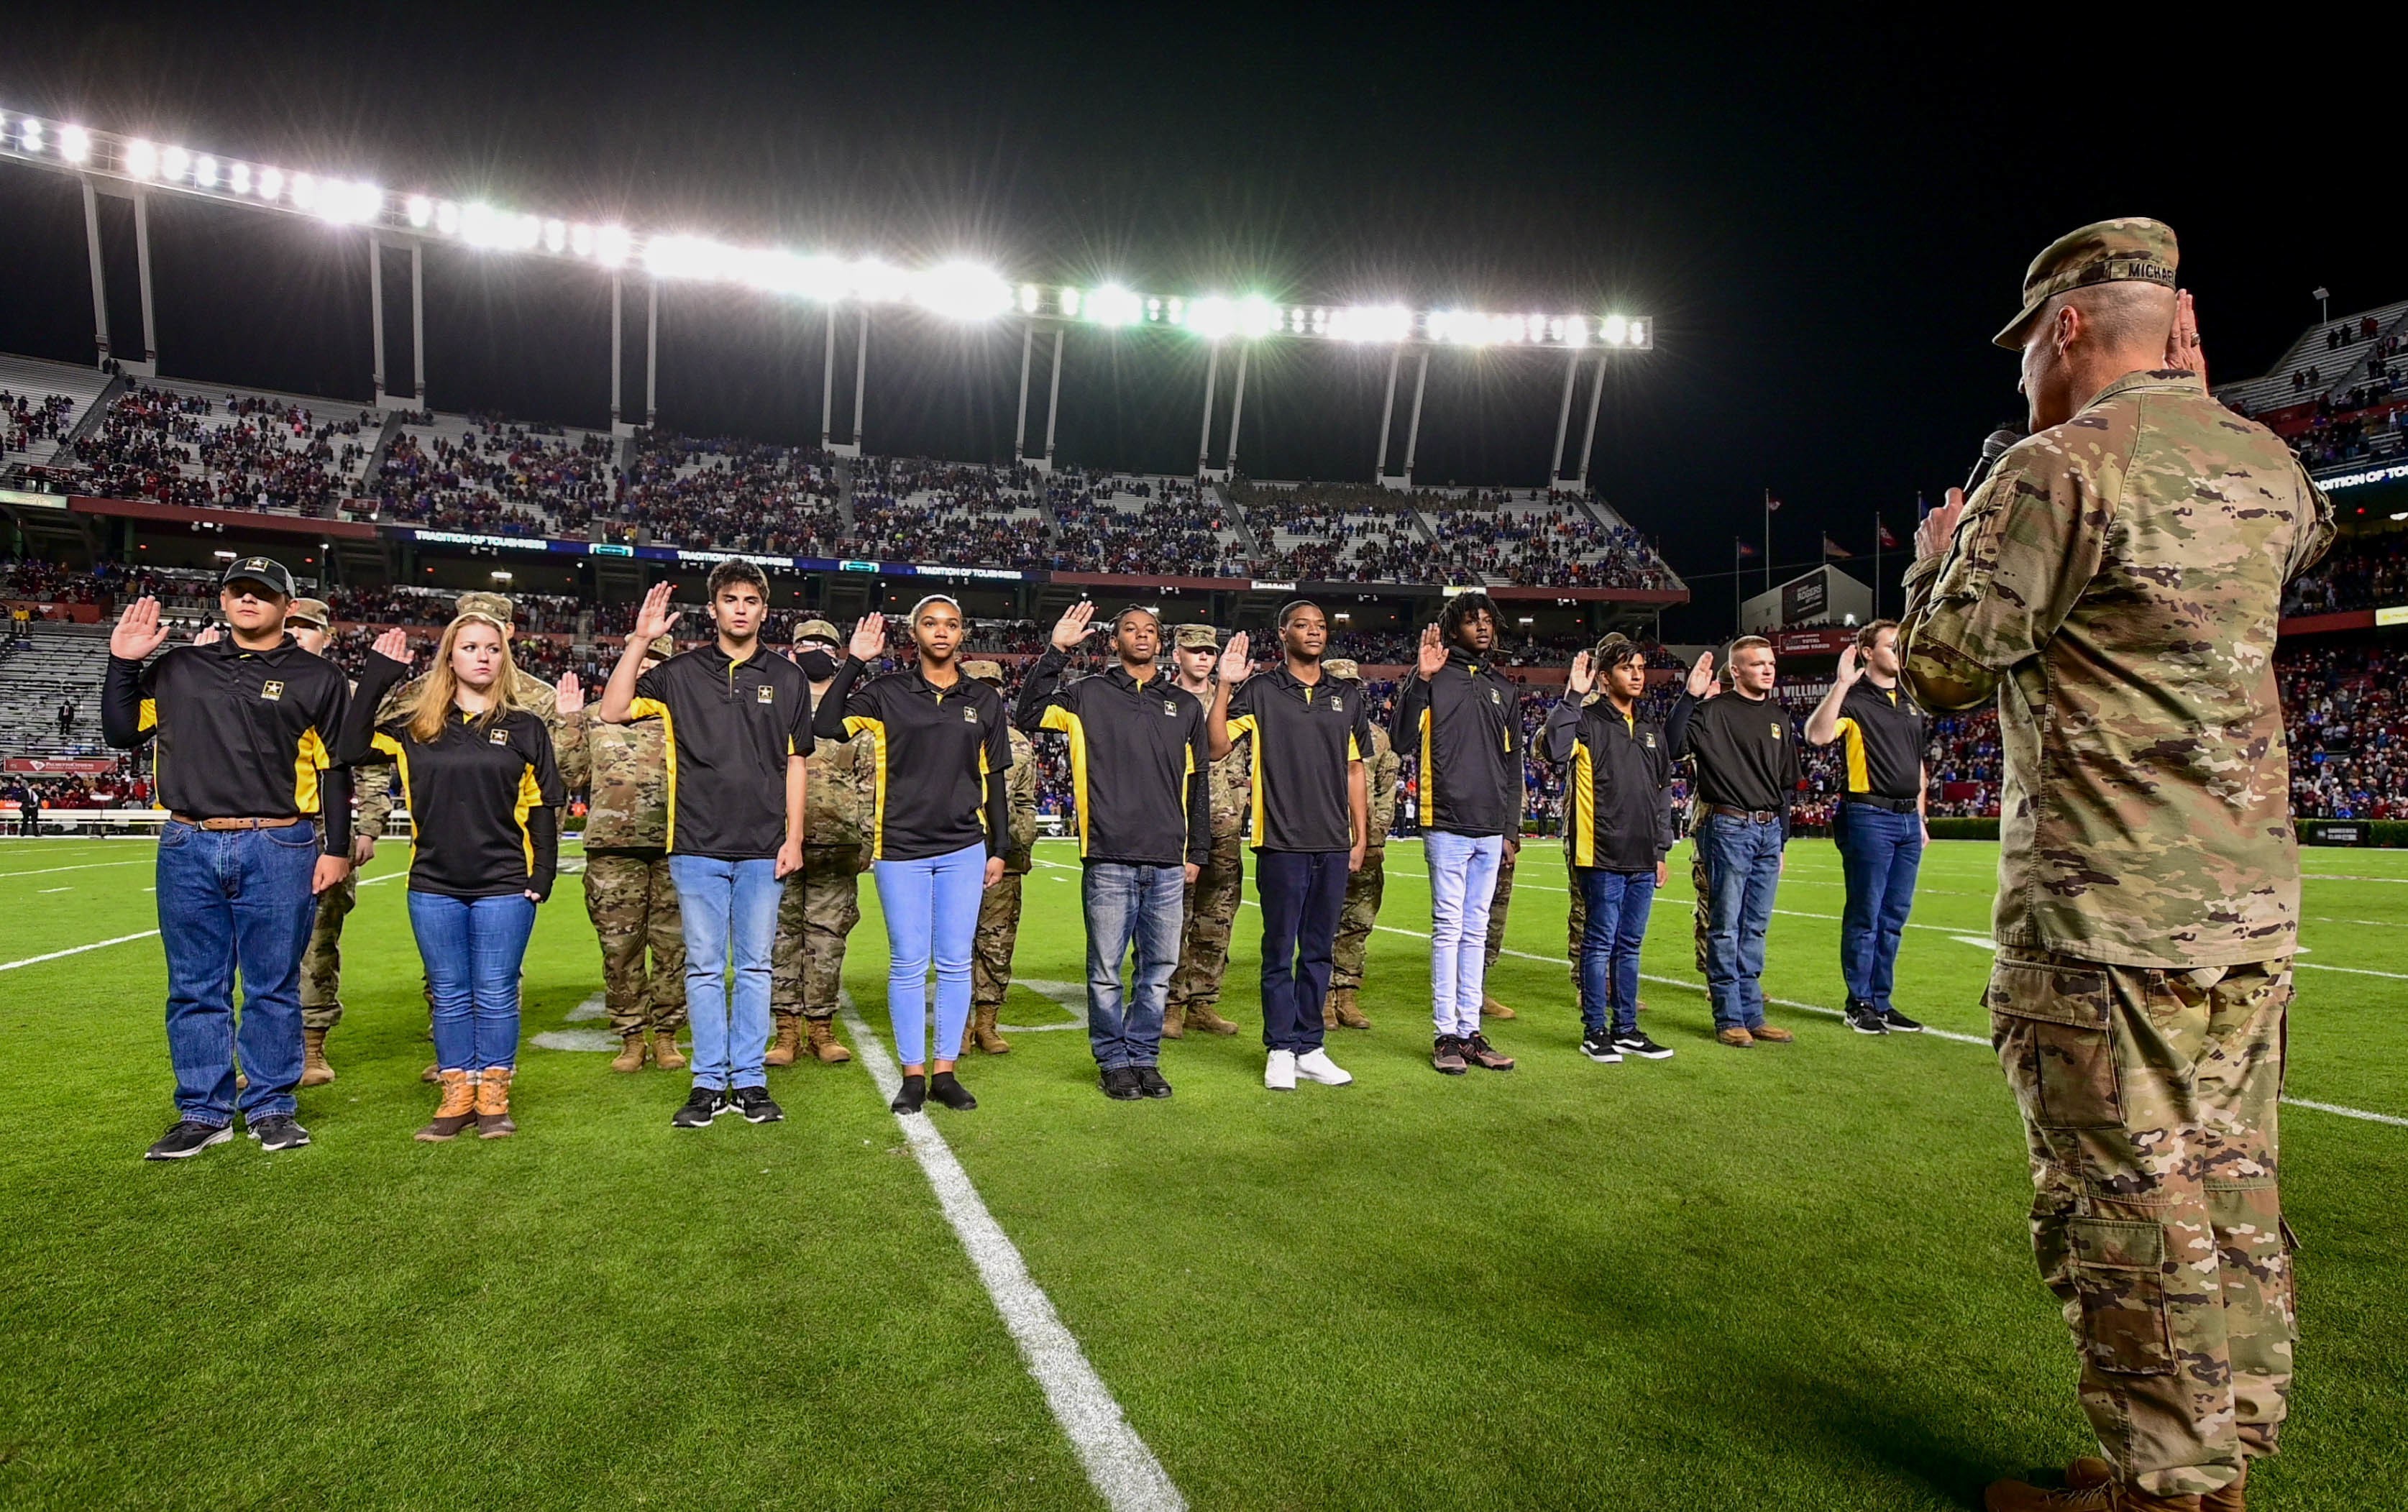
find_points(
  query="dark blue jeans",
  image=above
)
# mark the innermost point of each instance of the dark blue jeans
(1880, 853)
(1742, 869)
(1124, 903)
(1302, 893)
(473, 949)
(1618, 904)
(232, 899)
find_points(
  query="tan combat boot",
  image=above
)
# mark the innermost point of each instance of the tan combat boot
(1491, 1008)
(2017, 1496)
(789, 1042)
(1201, 1017)
(982, 1033)
(665, 1050)
(2090, 1470)
(821, 1038)
(1174, 1022)
(631, 1053)
(457, 1110)
(1330, 1011)
(432, 1075)
(315, 1072)
(1343, 1011)
(494, 1104)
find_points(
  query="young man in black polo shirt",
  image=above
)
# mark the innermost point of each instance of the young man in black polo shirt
(739, 737)
(1309, 826)
(245, 730)
(1138, 761)
(1879, 822)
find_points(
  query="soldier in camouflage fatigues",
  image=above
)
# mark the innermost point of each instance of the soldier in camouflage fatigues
(1365, 888)
(999, 920)
(1212, 899)
(821, 902)
(2115, 584)
(628, 893)
(311, 623)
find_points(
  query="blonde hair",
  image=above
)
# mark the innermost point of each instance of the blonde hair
(436, 699)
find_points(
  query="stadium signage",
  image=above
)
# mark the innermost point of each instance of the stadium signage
(2373, 475)
(505, 543)
(856, 566)
(2396, 615)
(1265, 585)
(26, 499)
(684, 555)
(607, 548)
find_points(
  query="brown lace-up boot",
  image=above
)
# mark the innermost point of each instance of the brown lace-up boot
(982, 1033)
(494, 1104)
(789, 1042)
(457, 1110)
(821, 1038)
(315, 1072)
(664, 1052)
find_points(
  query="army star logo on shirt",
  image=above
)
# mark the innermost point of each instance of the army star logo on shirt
(1650, 738)
(970, 716)
(1169, 708)
(271, 690)
(765, 694)
(498, 736)
(1776, 730)
(1338, 706)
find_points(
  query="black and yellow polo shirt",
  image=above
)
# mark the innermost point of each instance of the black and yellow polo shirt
(1464, 724)
(238, 735)
(942, 757)
(731, 727)
(1618, 793)
(1137, 753)
(1881, 737)
(1303, 735)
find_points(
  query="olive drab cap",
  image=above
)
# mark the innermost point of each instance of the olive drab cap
(1196, 639)
(312, 612)
(266, 572)
(819, 630)
(492, 606)
(663, 647)
(2131, 250)
(983, 672)
(1343, 669)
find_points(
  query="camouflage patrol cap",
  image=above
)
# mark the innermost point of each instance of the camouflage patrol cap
(663, 647)
(312, 612)
(1343, 667)
(983, 672)
(2131, 250)
(817, 630)
(1195, 638)
(492, 606)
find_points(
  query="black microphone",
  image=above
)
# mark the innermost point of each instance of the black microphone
(1994, 446)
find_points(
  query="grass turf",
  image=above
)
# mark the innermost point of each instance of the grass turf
(1795, 1276)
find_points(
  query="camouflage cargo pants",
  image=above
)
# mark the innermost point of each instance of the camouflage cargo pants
(1204, 939)
(999, 931)
(815, 917)
(634, 906)
(321, 964)
(2149, 1101)
(1355, 919)
(1575, 920)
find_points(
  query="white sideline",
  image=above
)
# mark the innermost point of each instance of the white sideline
(1122, 1469)
(79, 866)
(74, 949)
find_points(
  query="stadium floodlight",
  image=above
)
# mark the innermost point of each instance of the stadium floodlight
(880, 283)
(611, 246)
(31, 135)
(1616, 331)
(1212, 318)
(204, 171)
(272, 183)
(555, 235)
(447, 217)
(1071, 302)
(1030, 300)
(420, 210)
(480, 227)
(238, 177)
(963, 291)
(141, 159)
(305, 191)
(75, 144)
(1258, 318)
(1383, 324)
(581, 239)
(1115, 305)
(174, 164)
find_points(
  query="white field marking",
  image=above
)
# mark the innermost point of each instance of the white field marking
(1071, 996)
(580, 1039)
(55, 955)
(593, 1007)
(2354, 971)
(2369, 924)
(1120, 1466)
(2344, 876)
(56, 890)
(1976, 942)
(86, 866)
(2348, 1112)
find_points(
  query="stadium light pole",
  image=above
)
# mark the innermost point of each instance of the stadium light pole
(99, 284)
(1388, 414)
(1204, 433)
(418, 326)
(1413, 429)
(652, 356)
(827, 385)
(1236, 409)
(149, 366)
(860, 378)
(1588, 436)
(376, 317)
(1563, 424)
(1054, 401)
(618, 360)
(1020, 425)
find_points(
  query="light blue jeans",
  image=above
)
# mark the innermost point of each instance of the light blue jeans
(1462, 880)
(1126, 902)
(473, 949)
(932, 908)
(728, 906)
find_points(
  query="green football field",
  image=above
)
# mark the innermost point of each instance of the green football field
(1794, 1276)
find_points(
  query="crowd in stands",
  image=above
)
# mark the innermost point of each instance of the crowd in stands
(909, 509)
(22, 791)
(499, 481)
(1177, 528)
(1352, 531)
(245, 452)
(2348, 731)
(1563, 545)
(2361, 572)
(734, 495)
(24, 419)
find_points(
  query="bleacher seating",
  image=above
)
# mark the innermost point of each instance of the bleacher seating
(1334, 532)
(36, 423)
(51, 664)
(914, 509)
(459, 472)
(731, 493)
(204, 445)
(1124, 522)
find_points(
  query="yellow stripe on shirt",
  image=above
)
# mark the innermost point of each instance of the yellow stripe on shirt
(1063, 721)
(652, 708)
(853, 725)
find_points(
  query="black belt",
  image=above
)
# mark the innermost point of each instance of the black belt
(1754, 816)
(1896, 806)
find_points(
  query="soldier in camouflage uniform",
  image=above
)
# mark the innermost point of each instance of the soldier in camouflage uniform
(1212, 900)
(1365, 888)
(821, 902)
(311, 622)
(628, 893)
(2115, 585)
(999, 920)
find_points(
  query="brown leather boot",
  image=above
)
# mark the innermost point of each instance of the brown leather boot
(433, 1075)
(1201, 1018)
(494, 1104)
(982, 1033)
(2017, 1496)
(1491, 1008)
(1773, 1034)
(1735, 1036)
(789, 1042)
(457, 1110)
(665, 1050)
(1174, 1022)
(315, 1072)
(1330, 1012)
(631, 1053)
(820, 1035)
(2090, 1470)
(1341, 1005)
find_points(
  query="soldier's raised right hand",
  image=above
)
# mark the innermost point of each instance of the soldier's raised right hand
(1581, 678)
(137, 631)
(1702, 676)
(654, 619)
(1075, 625)
(393, 645)
(868, 637)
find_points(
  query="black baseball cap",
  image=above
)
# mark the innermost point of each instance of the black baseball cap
(266, 572)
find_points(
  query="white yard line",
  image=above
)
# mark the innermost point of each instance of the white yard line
(1122, 1468)
(84, 866)
(56, 955)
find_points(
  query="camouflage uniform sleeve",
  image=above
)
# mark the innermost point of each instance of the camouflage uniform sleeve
(2308, 547)
(2029, 544)
(373, 786)
(1023, 793)
(568, 748)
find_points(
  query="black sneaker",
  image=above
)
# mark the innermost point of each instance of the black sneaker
(1634, 1041)
(945, 1090)
(188, 1140)
(279, 1130)
(1149, 1082)
(1865, 1018)
(756, 1106)
(1121, 1085)
(1899, 1023)
(702, 1105)
(1601, 1046)
(913, 1097)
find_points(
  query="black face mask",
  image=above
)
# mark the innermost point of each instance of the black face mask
(817, 664)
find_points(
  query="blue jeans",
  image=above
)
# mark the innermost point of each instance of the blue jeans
(728, 907)
(1618, 904)
(932, 908)
(1742, 869)
(473, 949)
(1880, 853)
(1463, 881)
(1126, 902)
(1303, 892)
(228, 899)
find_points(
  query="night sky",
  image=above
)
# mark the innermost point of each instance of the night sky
(1827, 219)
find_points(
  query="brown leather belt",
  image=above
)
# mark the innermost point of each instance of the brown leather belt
(1754, 816)
(236, 823)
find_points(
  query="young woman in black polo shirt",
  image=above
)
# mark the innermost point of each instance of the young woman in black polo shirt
(942, 752)
(484, 798)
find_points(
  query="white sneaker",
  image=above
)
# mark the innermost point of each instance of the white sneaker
(1316, 1065)
(1278, 1072)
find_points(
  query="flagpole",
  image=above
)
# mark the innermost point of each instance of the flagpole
(1877, 535)
(1767, 540)
(1738, 548)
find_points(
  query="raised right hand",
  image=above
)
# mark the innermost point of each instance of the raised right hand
(393, 645)
(1577, 681)
(1849, 671)
(1074, 626)
(654, 619)
(1236, 666)
(137, 631)
(1702, 676)
(868, 637)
